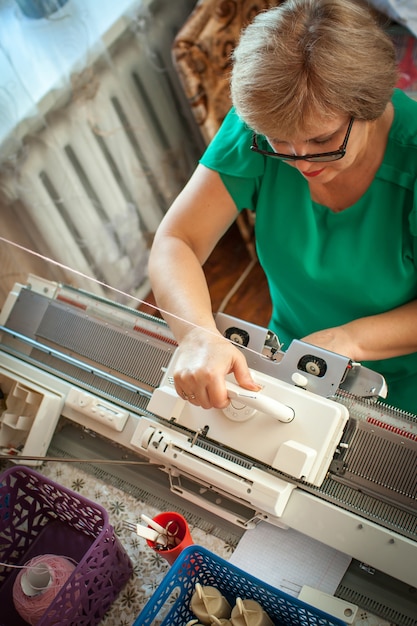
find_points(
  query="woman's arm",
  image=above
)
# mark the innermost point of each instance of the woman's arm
(383, 336)
(185, 238)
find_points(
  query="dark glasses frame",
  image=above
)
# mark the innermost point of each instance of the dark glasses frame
(322, 157)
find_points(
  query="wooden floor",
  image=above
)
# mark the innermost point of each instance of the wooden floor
(229, 260)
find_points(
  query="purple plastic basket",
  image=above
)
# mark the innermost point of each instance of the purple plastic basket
(39, 516)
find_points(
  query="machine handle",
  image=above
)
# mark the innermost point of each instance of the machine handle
(260, 402)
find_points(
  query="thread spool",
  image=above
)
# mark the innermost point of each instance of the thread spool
(249, 613)
(38, 584)
(207, 602)
(214, 622)
(223, 621)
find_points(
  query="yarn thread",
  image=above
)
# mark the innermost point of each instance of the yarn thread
(38, 583)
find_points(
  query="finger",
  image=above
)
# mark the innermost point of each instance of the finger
(191, 387)
(216, 393)
(243, 376)
(189, 396)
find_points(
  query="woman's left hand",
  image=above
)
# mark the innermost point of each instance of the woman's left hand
(335, 339)
(382, 336)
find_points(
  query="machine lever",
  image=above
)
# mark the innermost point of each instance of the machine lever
(260, 402)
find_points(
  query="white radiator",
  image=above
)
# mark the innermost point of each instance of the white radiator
(97, 179)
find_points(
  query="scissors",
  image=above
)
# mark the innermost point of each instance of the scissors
(167, 537)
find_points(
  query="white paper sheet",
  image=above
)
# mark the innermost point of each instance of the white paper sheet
(288, 559)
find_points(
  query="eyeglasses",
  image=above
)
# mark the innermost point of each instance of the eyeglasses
(313, 158)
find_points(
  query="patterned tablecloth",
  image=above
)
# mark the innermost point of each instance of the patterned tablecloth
(149, 567)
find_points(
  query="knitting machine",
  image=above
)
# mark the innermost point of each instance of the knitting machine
(315, 449)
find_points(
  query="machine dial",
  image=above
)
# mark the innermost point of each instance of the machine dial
(313, 365)
(237, 335)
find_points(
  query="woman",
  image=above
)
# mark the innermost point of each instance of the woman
(324, 149)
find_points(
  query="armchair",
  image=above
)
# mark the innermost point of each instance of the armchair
(202, 56)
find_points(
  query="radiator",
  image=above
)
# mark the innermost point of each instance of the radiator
(97, 177)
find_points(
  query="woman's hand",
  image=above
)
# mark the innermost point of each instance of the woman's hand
(199, 216)
(382, 336)
(336, 340)
(205, 358)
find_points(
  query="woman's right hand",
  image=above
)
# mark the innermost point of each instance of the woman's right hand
(189, 231)
(204, 360)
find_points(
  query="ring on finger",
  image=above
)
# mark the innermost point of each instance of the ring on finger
(192, 396)
(184, 395)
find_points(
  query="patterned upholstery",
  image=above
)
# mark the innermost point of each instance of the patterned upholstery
(202, 49)
(201, 54)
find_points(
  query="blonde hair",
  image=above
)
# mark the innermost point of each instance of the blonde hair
(306, 58)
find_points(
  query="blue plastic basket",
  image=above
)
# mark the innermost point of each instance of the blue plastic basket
(196, 564)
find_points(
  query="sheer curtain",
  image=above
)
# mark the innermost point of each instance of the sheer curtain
(95, 139)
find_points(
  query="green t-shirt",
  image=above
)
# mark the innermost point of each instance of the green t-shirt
(324, 268)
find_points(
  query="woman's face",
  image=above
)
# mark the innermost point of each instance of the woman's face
(327, 136)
